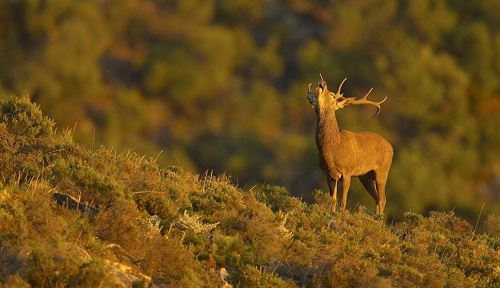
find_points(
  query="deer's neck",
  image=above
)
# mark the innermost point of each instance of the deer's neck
(327, 130)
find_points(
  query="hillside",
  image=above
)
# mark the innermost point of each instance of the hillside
(125, 221)
(234, 73)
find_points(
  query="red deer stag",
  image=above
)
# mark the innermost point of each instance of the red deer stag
(344, 154)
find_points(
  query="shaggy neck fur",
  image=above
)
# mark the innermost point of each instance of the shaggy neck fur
(327, 129)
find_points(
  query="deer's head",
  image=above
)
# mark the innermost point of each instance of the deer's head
(324, 99)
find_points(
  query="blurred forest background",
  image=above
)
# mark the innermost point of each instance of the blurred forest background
(220, 85)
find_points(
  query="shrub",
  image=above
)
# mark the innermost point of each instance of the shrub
(276, 198)
(25, 120)
(121, 224)
(492, 225)
(92, 274)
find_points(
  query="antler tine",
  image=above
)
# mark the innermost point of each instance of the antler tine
(321, 76)
(378, 107)
(340, 86)
(364, 100)
(309, 88)
(366, 95)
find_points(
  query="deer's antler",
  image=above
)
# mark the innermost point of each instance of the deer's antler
(340, 87)
(363, 101)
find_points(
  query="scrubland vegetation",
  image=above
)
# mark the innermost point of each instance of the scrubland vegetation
(163, 226)
(220, 85)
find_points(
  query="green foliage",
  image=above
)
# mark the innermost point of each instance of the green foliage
(219, 86)
(276, 198)
(493, 225)
(25, 120)
(91, 274)
(169, 227)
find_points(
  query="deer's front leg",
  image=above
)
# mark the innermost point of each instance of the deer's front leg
(346, 182)
(332, 184)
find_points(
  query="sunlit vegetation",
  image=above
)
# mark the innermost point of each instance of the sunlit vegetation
(164, 226)
(220, 86)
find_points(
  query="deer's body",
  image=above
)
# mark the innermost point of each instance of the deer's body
(344, 154)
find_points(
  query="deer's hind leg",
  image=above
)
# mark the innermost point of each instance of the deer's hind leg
(380, 182)
(346, 182)
(368, 181)
(332, 184)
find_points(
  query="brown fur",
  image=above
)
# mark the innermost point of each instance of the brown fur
(344, 154)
